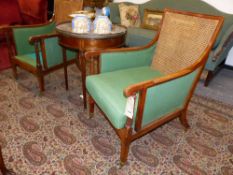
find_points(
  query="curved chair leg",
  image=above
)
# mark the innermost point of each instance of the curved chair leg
(183, 119)
(209, 77)
(2, 165)
(3, 168)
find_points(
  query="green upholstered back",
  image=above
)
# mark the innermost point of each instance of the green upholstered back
(167, 97)
(22, 34)
(197, 6)
(113, 61)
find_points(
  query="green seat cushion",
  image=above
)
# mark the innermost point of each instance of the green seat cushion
(29, 59)
(107, 90)
(51, 61)
(139, 36)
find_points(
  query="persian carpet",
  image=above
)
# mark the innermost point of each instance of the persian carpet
(51, 134)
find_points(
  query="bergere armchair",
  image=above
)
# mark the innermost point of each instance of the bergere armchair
(139, 89)
(36, 49)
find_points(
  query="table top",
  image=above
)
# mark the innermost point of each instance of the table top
(66, 29)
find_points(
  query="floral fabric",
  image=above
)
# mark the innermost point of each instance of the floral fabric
(130, 16)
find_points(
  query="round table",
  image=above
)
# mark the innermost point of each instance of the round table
(84, 42)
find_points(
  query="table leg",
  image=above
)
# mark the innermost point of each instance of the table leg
(83, 72)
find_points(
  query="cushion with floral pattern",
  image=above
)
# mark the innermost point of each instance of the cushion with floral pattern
(130, 16)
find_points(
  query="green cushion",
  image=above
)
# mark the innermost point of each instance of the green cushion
(139, 36)
(107, 90)
(29, 59)
(113, 61)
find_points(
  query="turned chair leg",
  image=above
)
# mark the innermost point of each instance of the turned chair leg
(91, 107)
(41, 82)
(183, 119)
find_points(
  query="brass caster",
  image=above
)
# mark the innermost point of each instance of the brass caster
(121, 164)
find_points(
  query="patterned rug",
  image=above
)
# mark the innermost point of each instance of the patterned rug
(51, 134)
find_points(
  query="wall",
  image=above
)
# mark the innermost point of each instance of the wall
(223, 5)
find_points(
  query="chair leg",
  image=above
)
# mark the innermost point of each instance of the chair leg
(66, 77)
(124, 152)
(65, 67)
(3, 168)
(41, 82)
(183, 119)
(209, 77)
(14, 69)
(2, 165)
(125, 143)
(83, 74)
(91, 106)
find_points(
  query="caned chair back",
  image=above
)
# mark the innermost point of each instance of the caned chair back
(182, 40)
(62, 9)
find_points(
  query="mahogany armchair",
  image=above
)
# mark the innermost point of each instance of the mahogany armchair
(157, 80)
(36, 49)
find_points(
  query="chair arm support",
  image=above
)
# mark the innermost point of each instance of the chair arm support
(7, 31)
(37, 38)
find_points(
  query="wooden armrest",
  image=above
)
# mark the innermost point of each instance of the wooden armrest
(37, 38)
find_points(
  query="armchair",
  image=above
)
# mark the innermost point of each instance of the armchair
(36, 49)
(139, 89)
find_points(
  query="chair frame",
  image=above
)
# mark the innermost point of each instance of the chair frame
(39, 44)
(126, 134)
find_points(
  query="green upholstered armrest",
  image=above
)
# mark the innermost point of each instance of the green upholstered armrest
(112, 61)
(23, 33)
(167, 97)
(53, 51)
